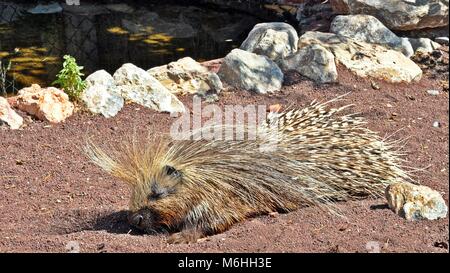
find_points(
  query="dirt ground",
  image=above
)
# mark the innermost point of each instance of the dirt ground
(53, 200)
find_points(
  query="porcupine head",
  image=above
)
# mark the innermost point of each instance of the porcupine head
(166, 187)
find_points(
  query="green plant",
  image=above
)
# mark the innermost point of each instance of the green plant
(69, 78)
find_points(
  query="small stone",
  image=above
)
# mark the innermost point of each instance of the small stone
(433, 92)
(436, 124)
(211, 98)
(374, 85)
(274, 214)
(441, 40)
(424, 45)
(415, 202)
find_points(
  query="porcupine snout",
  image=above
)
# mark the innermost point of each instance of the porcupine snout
(142, 220)
(136, 219)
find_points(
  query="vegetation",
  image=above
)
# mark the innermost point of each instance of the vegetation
(69, 78)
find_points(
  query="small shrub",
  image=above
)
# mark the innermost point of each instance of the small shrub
(69, 78)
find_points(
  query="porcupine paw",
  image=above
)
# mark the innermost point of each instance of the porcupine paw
(183, 237)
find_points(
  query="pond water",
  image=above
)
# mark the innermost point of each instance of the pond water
(106, 36)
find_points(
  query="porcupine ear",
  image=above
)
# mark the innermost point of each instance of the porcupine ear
(171, 171)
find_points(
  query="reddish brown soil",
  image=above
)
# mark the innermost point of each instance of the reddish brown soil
(51, 195)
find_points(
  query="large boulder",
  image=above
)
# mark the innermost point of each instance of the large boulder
(314, 62)
(364, 59)
(398, 14)
(366, 28)
(101, 95)
(49, 104)
(187, 76)
(138, 86)
(416, 202)
(274, 40)
(9, 116)
(250, 71)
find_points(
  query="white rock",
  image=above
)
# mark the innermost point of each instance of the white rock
(250, 71)
(100, 77)
(364, 59)
(9, 116)
(274, 40)
(398, 14)
(129, 74)
(187, 76)
(373, 32)
(101, 95)
(423, 44)
(441, 40)
(433, 92)
(436, 124)
(102, 100)
(314, 62)
(415, 202)
(137, 85)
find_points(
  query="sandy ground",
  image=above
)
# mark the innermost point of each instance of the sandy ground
(52, 199)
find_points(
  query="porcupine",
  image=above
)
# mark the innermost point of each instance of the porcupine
(197, 188)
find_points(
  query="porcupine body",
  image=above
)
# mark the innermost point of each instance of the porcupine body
(312, 156)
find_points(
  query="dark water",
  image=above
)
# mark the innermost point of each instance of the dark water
(105, 37)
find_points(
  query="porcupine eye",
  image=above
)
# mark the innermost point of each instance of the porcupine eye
(159, 191)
